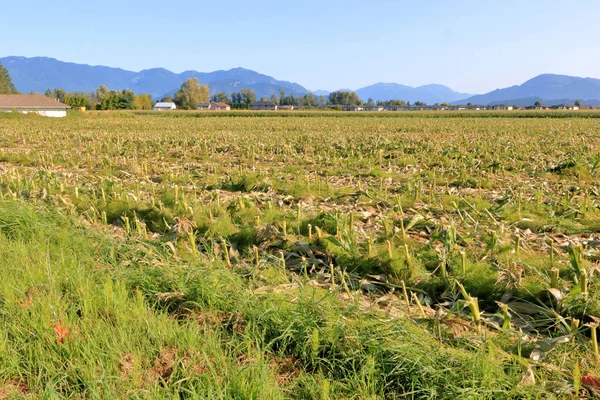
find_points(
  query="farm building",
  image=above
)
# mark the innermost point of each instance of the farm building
(564, 107)
(352, 108)
(164, 106)
(500, 107)
(396, 108)
(214, 106)
(218, 106)
(264, 105)
(286, 108)
(33, 103)
(372, 107)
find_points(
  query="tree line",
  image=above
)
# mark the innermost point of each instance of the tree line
(187, 97)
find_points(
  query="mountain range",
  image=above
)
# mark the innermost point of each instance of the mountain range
(429, 94)
(40, 73)
(548, 88)
(37, 74)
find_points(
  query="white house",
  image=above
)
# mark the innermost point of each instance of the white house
(33, 103)
(162, 106)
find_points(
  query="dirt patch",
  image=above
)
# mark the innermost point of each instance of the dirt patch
(127, 366)
(235, 323)
(286, 369)
(164, 365)
(194, 364)
(14, 389)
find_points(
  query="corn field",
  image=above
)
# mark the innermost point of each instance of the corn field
(321, 255)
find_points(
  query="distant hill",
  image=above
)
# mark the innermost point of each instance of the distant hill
(548, 88)
(429, 94)
(40, 73)
(529, 101)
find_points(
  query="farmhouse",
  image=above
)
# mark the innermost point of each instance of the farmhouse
(264, 105)
(286, 108)
(33, 103)
(164, 106)
(218, 106)
(214, 106)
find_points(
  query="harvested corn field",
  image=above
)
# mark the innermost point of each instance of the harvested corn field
(299, 256)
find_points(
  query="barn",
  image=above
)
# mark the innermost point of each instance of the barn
(164, 106)
(32, 103)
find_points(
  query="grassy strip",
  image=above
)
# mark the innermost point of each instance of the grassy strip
(84, 314)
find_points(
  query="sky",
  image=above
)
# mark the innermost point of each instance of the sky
(470, 46)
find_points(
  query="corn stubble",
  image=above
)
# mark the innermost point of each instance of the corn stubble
(299, 256)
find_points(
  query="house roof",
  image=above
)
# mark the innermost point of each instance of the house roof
(219, 104)
(164, 104)
(29, 101)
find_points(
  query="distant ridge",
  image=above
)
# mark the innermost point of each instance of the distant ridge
(37, 74)
(548, 88)
(429, 94)
(40, 73)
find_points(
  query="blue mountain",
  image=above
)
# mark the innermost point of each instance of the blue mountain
(40, 73)
(429, 94)
(548, 88)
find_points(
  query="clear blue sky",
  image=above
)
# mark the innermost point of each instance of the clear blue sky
(470, 45)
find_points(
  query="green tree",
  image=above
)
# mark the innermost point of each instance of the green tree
(77, 99)
(48, 93)
(191, 94)
(220, 97)
(309, 100)
(538, 103)
(281, 97)
(143, 102)
(248, 96)
(577, 103)
(6, 84)
(59, 94)
(344, 98)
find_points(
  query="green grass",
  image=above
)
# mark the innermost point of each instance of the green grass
(143, 324)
